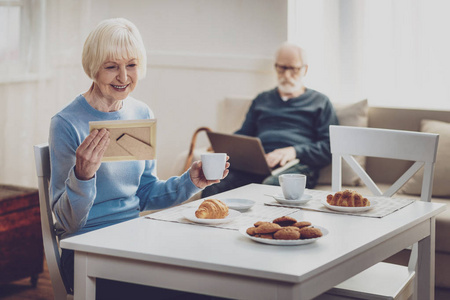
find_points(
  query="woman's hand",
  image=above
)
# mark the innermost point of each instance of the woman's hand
(89, 154)
(280, 156)
(199, 179)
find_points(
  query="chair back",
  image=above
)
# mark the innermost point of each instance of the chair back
(416, 147)
(51, 246)
(419, 147)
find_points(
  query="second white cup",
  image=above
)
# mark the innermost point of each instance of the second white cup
(213, 165)
(292, 185)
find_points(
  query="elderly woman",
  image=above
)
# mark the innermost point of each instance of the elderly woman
(86, 193)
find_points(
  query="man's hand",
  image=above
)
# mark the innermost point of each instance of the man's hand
(280, 156)
(89, 154)
(199, 179)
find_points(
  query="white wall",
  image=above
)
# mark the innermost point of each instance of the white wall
(391, 52)
(199, 52)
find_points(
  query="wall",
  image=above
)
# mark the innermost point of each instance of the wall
(199, 52)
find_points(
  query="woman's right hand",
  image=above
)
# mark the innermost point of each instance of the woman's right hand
(89, 154)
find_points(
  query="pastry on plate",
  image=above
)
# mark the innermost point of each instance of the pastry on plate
(285, 221)
(348, 198)
(267, 228)
(310, 233)
(251, 231)
(287, 233)
(302, 224)
(212, 209)
(266, 236)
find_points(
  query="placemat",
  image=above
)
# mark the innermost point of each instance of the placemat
(384, 205)
(259, 212)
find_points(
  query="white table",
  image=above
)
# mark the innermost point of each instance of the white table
(224, 263)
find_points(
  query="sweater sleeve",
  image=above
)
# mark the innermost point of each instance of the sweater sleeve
(318, 154)
(71, 198)
(156, 194)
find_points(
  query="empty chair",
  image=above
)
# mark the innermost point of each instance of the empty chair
(383, 280)
(51, 245)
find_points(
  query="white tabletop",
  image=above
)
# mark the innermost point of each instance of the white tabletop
(225, 250)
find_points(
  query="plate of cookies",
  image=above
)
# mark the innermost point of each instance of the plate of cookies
(284, 231)
(210, 211)
(348, 201)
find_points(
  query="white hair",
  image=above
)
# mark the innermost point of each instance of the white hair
(113, 39)
(290, 45)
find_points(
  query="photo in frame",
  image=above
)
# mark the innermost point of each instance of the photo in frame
(130, 139)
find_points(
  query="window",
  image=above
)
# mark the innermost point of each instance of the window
(22, 40)
(392, 52)
(9, 39)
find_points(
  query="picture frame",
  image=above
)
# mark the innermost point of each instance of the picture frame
(130, 139)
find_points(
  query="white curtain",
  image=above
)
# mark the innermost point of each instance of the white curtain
(45, 78)
(392, 52)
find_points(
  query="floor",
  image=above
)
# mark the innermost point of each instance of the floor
(22, 289)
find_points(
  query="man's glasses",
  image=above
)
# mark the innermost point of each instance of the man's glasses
(293, 70)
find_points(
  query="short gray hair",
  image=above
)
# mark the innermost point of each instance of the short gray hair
(113, 39)
(301, 51)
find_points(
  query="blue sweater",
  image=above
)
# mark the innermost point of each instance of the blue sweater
(302, 122)
(119, 190)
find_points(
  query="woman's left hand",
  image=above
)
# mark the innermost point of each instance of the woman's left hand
(199, 179)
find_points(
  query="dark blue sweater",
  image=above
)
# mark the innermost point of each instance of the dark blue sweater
(302, 122)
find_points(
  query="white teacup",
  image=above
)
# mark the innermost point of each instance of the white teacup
(292, 185)
(213, 165)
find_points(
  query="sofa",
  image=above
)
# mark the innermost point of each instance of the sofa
(384, 172)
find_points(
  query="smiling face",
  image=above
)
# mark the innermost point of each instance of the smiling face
(116, 79)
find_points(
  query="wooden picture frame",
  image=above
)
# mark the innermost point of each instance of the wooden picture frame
(130, 139)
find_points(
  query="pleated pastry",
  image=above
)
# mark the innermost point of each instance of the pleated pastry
(212, 209)
(348, 198)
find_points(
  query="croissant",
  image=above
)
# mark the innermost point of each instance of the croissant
(348, 198)
(212, 209)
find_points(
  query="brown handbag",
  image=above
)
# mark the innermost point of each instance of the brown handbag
(190, 156)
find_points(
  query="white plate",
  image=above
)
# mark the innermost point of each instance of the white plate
(243, 231)
(349, 209)
(280, 199)
(189, 214)
(238, 203)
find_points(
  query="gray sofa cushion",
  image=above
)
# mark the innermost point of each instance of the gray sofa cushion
(441, 188)
(353, 114)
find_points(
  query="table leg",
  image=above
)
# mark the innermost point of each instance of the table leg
(84, 285)
(424, 281)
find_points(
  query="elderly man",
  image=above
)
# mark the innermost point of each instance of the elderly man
(291, 120)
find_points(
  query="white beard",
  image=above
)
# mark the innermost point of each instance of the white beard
(289, 87)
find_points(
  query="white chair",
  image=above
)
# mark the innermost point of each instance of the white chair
(51, 246)
(383, 280)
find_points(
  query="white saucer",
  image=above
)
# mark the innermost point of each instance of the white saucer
(304, 199)
(239, 204)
